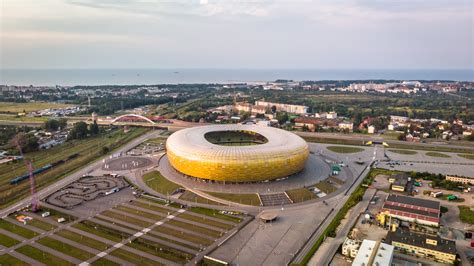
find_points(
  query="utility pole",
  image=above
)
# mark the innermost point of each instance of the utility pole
(29, 166)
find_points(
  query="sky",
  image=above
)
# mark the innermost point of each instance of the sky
(252, 34)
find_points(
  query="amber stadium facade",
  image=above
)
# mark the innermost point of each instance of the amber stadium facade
(236, 153)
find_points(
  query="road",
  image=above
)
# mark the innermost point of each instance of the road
(329, 248)
(74, 176)
(178, 124)
(309, 244)
(364, 138)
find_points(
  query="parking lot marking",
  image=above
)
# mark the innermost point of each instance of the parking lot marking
(146, 230)
(181, 210)
(170, 216)
(102, 254)
(84, 264)
(139, 234)
(118, 245)
(158, 223)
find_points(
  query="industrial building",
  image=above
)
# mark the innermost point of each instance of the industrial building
(433, 247)
(460, 179)
(350, 247)
(373, 253)
(410, 209)
(400, 182)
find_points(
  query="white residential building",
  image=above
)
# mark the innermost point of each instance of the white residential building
(289, 108)
(350, 247)
(372, 253)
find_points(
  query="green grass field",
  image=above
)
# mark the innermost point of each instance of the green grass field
(42, 256)
(29, 107)
(133, 258)
(84, 240)
(148, 215)
(104, 262)
(41, 225)
(204, 220)
(17, 229)
(344, 149)
(247, 199)
(124, 218)
(300, 194)
(27, 119)
(195, 228)
(437, 154)
(89, 150)
(7, 241)
(405, 152)
(466, 215)
(160, 250)
(190, 196)
(65, 248)
(150, 206)
(466, 156)
(183, 235)
(101, 231)
(325, 187)
(215, 213)
(159, 183)
(7, 260)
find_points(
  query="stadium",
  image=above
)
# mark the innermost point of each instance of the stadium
(236, 153)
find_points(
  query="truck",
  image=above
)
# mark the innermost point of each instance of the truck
(436, 194)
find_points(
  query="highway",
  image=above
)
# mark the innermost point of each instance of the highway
(74, 176)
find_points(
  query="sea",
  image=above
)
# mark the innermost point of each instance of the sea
(72, 77)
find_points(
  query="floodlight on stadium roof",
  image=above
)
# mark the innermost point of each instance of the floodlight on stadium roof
(270, 153)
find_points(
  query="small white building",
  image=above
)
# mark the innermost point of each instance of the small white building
(331, 115)
(373, 253)
(350, 247)
(371, 129)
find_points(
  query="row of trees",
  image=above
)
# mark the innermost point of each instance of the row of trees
(81, 130)
(53, 124)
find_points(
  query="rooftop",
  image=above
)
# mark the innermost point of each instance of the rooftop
(373, 253)
(419, 240)
(414, 201)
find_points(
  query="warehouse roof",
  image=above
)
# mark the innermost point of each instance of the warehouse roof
(419, 240)
(414, 201)
(415, 211)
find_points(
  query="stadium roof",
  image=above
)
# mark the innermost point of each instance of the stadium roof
(191, 141)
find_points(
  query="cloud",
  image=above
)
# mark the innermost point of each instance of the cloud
(180, 7)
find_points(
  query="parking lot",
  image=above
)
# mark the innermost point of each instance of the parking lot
(136, 231)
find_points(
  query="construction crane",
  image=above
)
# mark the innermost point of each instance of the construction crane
(34, 200)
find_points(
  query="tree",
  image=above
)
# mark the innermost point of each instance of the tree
(105, 150)
(94, 128)
(402, 137)
(78, 131)
(282, 117)
(274, 109)
(62, 123)
(51, 125)
(27, 142)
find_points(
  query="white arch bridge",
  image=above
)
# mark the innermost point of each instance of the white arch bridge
(116, 120)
